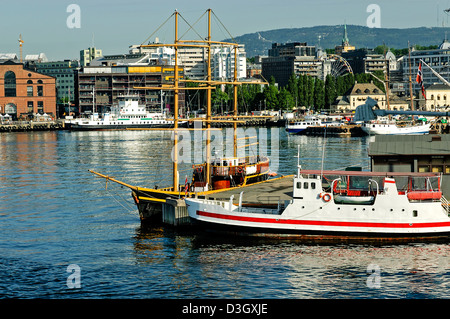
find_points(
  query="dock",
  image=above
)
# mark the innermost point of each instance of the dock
(24, 126)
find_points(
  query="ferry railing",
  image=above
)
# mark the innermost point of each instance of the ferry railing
(445, 204)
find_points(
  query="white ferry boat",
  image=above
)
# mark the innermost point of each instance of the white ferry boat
(125, 115)
(299, 126)
(350, 206)
(392, 128)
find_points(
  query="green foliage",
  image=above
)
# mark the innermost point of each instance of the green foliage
(301, 90)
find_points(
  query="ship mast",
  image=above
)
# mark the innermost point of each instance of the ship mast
(175, 108)
(208, 105)
(209, 86)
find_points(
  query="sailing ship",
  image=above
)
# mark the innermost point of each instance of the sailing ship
(336, 206)
(214, 174)
(126, 114)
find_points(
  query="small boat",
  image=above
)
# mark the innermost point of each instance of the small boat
(127, 114)
(336, 206)
(391, 128)
(300, 126)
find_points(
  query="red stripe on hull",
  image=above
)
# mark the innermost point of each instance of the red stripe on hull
(322, 223)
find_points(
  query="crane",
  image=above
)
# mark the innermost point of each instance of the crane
(20, 45)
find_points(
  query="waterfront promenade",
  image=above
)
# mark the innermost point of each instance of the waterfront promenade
(22, 126)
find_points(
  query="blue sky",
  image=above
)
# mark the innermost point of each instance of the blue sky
(114, 25)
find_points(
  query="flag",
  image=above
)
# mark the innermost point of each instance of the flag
(186, 186)
(419, 79)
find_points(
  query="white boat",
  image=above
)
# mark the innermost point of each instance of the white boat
(392, 128)
(299, 126)
(128, 113)
(339, 206)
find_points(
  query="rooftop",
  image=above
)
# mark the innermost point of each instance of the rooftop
(410, 145)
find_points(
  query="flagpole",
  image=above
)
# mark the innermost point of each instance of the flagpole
(410, 81)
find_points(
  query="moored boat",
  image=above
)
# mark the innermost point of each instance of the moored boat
(127, 114)
(392, 128)
(339, 206)
(300, 126)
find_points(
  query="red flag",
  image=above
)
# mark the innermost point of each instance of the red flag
(186, 186)
(419, 79)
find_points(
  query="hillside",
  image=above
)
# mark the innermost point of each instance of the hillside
(258, 43)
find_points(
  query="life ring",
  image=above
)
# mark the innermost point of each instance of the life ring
(240, 170)
(326, 197)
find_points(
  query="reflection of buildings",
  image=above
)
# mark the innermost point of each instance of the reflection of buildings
(24, 92)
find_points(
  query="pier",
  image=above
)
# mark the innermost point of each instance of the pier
(24, 126)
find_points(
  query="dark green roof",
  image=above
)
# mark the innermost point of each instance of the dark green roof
(410, 145)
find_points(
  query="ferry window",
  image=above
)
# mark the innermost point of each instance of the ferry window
(313, 185)
(299, 185)
(447, 169)
(415, 213)
(305, 185)
(424, 169)
(437, 169)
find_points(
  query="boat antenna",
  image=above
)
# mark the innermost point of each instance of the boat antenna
(323, 150)
(298, 161)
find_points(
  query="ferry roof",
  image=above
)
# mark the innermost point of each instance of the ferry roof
(367, 173)
(429, 144)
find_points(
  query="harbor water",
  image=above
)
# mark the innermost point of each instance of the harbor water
(67, 234)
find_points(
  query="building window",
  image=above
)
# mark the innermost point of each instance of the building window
(40, 106)
(40, 91)
(30, 105)
(29, 91)
(10, 83)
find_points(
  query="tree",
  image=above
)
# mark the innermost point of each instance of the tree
(319, 94)
(219, 97)
(285, 100)
(271, 96)
(330, 90)
(293, 87)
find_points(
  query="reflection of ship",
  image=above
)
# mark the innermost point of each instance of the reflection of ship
(128, 113)
(339, 206)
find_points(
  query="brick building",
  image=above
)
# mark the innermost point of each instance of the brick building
(24, 92)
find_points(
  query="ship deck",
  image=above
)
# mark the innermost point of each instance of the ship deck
(269, 192)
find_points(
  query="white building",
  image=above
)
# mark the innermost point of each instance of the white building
(194, 60)
(438, 59)
(86, 56)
